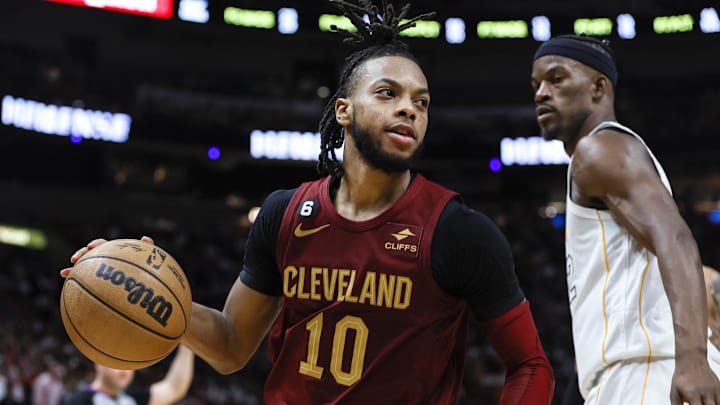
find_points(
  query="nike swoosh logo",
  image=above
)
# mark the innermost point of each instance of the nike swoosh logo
(301, 233)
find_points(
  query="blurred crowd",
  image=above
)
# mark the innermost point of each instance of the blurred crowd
(38, 362)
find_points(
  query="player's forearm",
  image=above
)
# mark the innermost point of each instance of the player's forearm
(532, 383)
(530, 379)
(210, 337)
(177, 380)
(680, 269)
(181, 371)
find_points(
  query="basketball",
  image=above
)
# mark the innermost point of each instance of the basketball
(126, 304)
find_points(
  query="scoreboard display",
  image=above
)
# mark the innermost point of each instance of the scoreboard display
(149, 8)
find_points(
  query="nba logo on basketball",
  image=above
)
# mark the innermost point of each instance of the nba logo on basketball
(156, 259)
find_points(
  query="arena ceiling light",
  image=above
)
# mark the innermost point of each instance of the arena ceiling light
(709, 21)
(194, 11)
(25, 237)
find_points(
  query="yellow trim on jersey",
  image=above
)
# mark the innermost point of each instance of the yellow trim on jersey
(604, 289)
(642, 325)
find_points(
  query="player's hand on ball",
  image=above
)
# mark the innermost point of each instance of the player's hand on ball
(92, 245)
(125, 303)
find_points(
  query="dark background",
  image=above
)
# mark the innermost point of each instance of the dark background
(188, 86)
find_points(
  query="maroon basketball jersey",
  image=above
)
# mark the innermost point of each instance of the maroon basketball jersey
(363, 320)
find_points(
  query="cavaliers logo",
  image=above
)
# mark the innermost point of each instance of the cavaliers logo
(402, 239)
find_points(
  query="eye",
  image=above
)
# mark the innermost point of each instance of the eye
(387, 92)
(423, 102)
(556, 79)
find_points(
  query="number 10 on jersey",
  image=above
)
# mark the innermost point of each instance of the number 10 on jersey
(310, 366)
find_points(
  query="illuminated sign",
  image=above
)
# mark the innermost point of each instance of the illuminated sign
(264, 19)
(532, 151)
(541, 28)
(709, 21)
(422, 29)
(626, 26)
(673, 23)
(502, 29)
(194, 11)
(287, 145)
(25, 237)
(288, 20)
(150, 8)
(65, 121)
(593, 26)
(455, 30)
(326, 21)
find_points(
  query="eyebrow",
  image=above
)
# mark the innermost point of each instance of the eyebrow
(395, 83)
(549, 71)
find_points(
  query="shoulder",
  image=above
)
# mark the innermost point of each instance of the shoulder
(606, 147)
(276, 203)
(461, 220)
(461, 229)
(279, 197)
(607, 160)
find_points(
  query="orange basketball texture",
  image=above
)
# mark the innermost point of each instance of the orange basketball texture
(126, 304)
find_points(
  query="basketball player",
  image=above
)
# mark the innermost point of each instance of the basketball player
(109, 385)
(368, 276)
(571, 395)
(640, 334)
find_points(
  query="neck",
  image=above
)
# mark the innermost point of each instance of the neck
(592, 121)
(365, 192)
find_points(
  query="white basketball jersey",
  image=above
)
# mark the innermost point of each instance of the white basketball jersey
(617, 300)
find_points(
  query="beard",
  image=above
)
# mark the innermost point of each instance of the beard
(372, 153)
(549, 135)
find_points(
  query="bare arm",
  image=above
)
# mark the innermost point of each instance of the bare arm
(228, 339)
(617, 169)
(177, 381)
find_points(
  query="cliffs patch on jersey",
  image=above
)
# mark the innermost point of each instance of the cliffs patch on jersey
(402, 239)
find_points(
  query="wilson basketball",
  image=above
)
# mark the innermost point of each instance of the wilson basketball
(126, 304)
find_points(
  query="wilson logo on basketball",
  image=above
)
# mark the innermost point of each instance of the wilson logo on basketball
(156, 306)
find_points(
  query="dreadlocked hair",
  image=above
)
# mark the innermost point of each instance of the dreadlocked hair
(378, 37)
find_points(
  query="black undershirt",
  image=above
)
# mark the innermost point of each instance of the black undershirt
(470, 257)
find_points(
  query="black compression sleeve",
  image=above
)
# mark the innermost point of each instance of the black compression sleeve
(259, 267)
(471, 258)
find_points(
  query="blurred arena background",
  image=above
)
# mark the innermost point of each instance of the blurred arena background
(175, 118)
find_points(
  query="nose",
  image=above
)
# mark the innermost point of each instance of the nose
(543, 92)
(406, 108)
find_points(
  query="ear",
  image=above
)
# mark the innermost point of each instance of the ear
(600, 87)
(343, 112)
